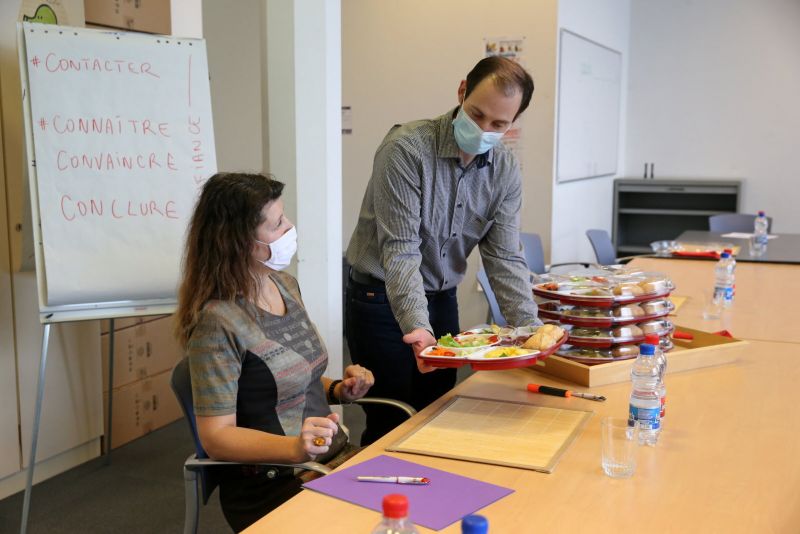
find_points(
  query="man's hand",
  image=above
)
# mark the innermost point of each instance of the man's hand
(420, 339)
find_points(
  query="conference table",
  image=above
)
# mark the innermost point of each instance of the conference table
(784, 248)
(728, 459)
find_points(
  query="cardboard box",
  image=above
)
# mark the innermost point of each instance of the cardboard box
(151, 16)
(141, 407)
(705, 350)
(125, 322)
(140, 351)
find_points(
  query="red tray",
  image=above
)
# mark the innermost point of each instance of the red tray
(598, 302)
(597, 322)
(496, 364)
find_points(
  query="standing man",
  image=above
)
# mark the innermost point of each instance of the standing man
(439, 187)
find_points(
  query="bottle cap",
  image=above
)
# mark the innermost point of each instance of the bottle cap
(647, 349)
(760, 213)
(729, 251)
(395, 506)
(474, 524)
(725, 254)
(652, 339)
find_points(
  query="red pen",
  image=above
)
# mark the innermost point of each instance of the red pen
(548, 390)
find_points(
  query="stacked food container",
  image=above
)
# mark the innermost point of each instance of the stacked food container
(607, 312)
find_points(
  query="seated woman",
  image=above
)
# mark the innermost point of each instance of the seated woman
(255, 357)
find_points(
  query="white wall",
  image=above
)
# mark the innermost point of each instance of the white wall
(235, 57)
(581, 205)
(403, 60)
(714, 91)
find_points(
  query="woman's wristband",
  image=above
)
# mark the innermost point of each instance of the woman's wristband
(331, 397)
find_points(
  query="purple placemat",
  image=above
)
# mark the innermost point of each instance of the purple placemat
(445, 500)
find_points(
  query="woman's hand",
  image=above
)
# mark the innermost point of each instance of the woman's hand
(355, 383)
(316, 436)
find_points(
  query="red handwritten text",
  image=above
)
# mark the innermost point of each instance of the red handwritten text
(72, 209)
(109, 126)
(108, 161)
(54, 63)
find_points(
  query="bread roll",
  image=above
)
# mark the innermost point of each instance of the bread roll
(631, 310)
(653, 285)
(630, 331)
(628, 290)
(625, 351)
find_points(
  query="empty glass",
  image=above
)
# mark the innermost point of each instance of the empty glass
(712, 305)
(619, 447)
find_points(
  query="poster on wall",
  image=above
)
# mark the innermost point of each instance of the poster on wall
(512, 48)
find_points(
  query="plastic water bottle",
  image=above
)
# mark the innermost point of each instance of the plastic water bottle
(724, 280)
(760, 236)
(474, 524)
(645, 405)
(395, 516)
(661, 360)
(733, 272)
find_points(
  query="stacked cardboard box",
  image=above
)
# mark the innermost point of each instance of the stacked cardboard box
(144, 354)
(151, 16)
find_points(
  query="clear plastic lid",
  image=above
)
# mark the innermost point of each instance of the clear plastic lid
(604, 285)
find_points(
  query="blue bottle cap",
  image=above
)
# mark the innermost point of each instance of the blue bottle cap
(725, 255)
(474, 524)
(647, 349)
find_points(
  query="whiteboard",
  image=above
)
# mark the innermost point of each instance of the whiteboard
(589, 89)
(119, 140)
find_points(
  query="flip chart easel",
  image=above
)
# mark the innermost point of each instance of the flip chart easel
(119, 139)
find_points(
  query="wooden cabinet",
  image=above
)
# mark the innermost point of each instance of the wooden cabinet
(652, 210)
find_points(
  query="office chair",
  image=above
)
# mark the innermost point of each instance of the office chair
(533, 251)
(202, 486)
(495, 316)
(734, 222)
(604, 248)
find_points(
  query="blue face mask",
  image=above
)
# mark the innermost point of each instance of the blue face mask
(469, 136)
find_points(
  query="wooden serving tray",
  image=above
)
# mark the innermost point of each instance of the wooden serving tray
(705, 350)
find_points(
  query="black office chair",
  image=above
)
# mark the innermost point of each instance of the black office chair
(604, 248)
(734, 222)
(200, 479)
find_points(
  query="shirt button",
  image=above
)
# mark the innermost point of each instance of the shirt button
(459, 204)
(454, 234)
(444, 254)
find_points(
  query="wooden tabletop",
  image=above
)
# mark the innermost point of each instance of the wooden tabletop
(785, 248)
(767, 303)
(728, 460)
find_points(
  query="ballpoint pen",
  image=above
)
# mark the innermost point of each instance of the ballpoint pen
(396, 480)
(547, 390)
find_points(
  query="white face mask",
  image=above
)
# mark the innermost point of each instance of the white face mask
(281, 250)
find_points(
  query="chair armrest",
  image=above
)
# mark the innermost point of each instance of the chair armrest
(585, 265)
(400, 405)
(194, 463)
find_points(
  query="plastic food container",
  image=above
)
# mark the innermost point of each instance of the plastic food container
(593, 355)
(605, 317)
(617, 287)
(582, 336)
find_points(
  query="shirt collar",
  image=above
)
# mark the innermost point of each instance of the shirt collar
(448, 148)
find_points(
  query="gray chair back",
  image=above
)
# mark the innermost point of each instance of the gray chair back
(533, 251)
(734, 222)
(494, 308)
(603, 247)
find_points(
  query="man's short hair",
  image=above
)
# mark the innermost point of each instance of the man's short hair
(508, 76)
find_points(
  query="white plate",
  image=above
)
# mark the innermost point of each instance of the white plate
(482, 354)
(458, 356)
